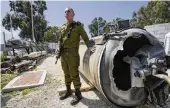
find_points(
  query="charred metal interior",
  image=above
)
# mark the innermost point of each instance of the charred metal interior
(122, 68)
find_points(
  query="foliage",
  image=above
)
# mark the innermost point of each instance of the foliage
(98, 24)
(13, 93)
(154, 13)
(3, 56)
(26, 91)
(117, 19)
(51, 35)
(6, 78)
(104, 27)
(113, 28)
(21, 19)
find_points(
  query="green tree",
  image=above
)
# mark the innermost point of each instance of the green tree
(154, 13)
(114, 26)
(21, 19)
(98, 24)
(117, 19)
(51, 35)
(134, 20)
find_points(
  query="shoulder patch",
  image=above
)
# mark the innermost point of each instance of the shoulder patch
(64, 25)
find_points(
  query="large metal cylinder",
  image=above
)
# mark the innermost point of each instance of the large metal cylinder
(107, 71)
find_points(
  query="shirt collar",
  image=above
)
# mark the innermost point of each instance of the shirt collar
(70, 23)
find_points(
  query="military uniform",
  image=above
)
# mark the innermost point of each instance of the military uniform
(70, 57)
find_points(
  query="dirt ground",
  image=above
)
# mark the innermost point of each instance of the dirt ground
(46, 96)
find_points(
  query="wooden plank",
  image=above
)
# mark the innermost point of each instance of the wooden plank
(23, 63)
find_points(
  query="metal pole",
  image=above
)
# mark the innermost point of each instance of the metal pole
(98, 25)
(4, 41)
(15, 5)
(11, 27)
(32, 23)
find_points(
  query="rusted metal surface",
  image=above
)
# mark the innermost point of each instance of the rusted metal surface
(89, 64)
(99, 68)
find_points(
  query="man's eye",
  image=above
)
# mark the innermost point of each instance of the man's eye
(67, 11)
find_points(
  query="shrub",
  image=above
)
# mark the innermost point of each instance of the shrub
(3, 56)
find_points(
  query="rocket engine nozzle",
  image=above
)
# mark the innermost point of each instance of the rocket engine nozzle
(120, 65)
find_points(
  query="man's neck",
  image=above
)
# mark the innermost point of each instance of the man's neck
(69, 22)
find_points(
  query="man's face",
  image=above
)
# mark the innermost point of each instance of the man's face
(69, 14)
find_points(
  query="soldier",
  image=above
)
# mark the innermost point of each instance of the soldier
(70, 38)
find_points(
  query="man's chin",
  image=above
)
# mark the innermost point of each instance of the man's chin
(67, 19)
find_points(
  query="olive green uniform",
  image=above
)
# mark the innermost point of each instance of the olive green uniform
(70, 57)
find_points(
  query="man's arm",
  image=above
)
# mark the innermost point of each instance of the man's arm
(84, 35)
(57, 52)
(58, 39)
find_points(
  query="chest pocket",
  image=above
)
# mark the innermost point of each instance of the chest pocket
(74, 34)
(63, 31)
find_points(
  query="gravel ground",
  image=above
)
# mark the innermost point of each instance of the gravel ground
(47, 96)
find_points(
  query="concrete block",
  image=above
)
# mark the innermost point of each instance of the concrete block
(26, 80)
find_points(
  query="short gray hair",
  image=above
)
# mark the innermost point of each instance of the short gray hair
(69, 8)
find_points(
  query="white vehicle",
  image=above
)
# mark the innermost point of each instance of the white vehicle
(167, 47)
(167, 44)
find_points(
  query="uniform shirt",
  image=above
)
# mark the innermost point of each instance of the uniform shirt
(74, 38)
